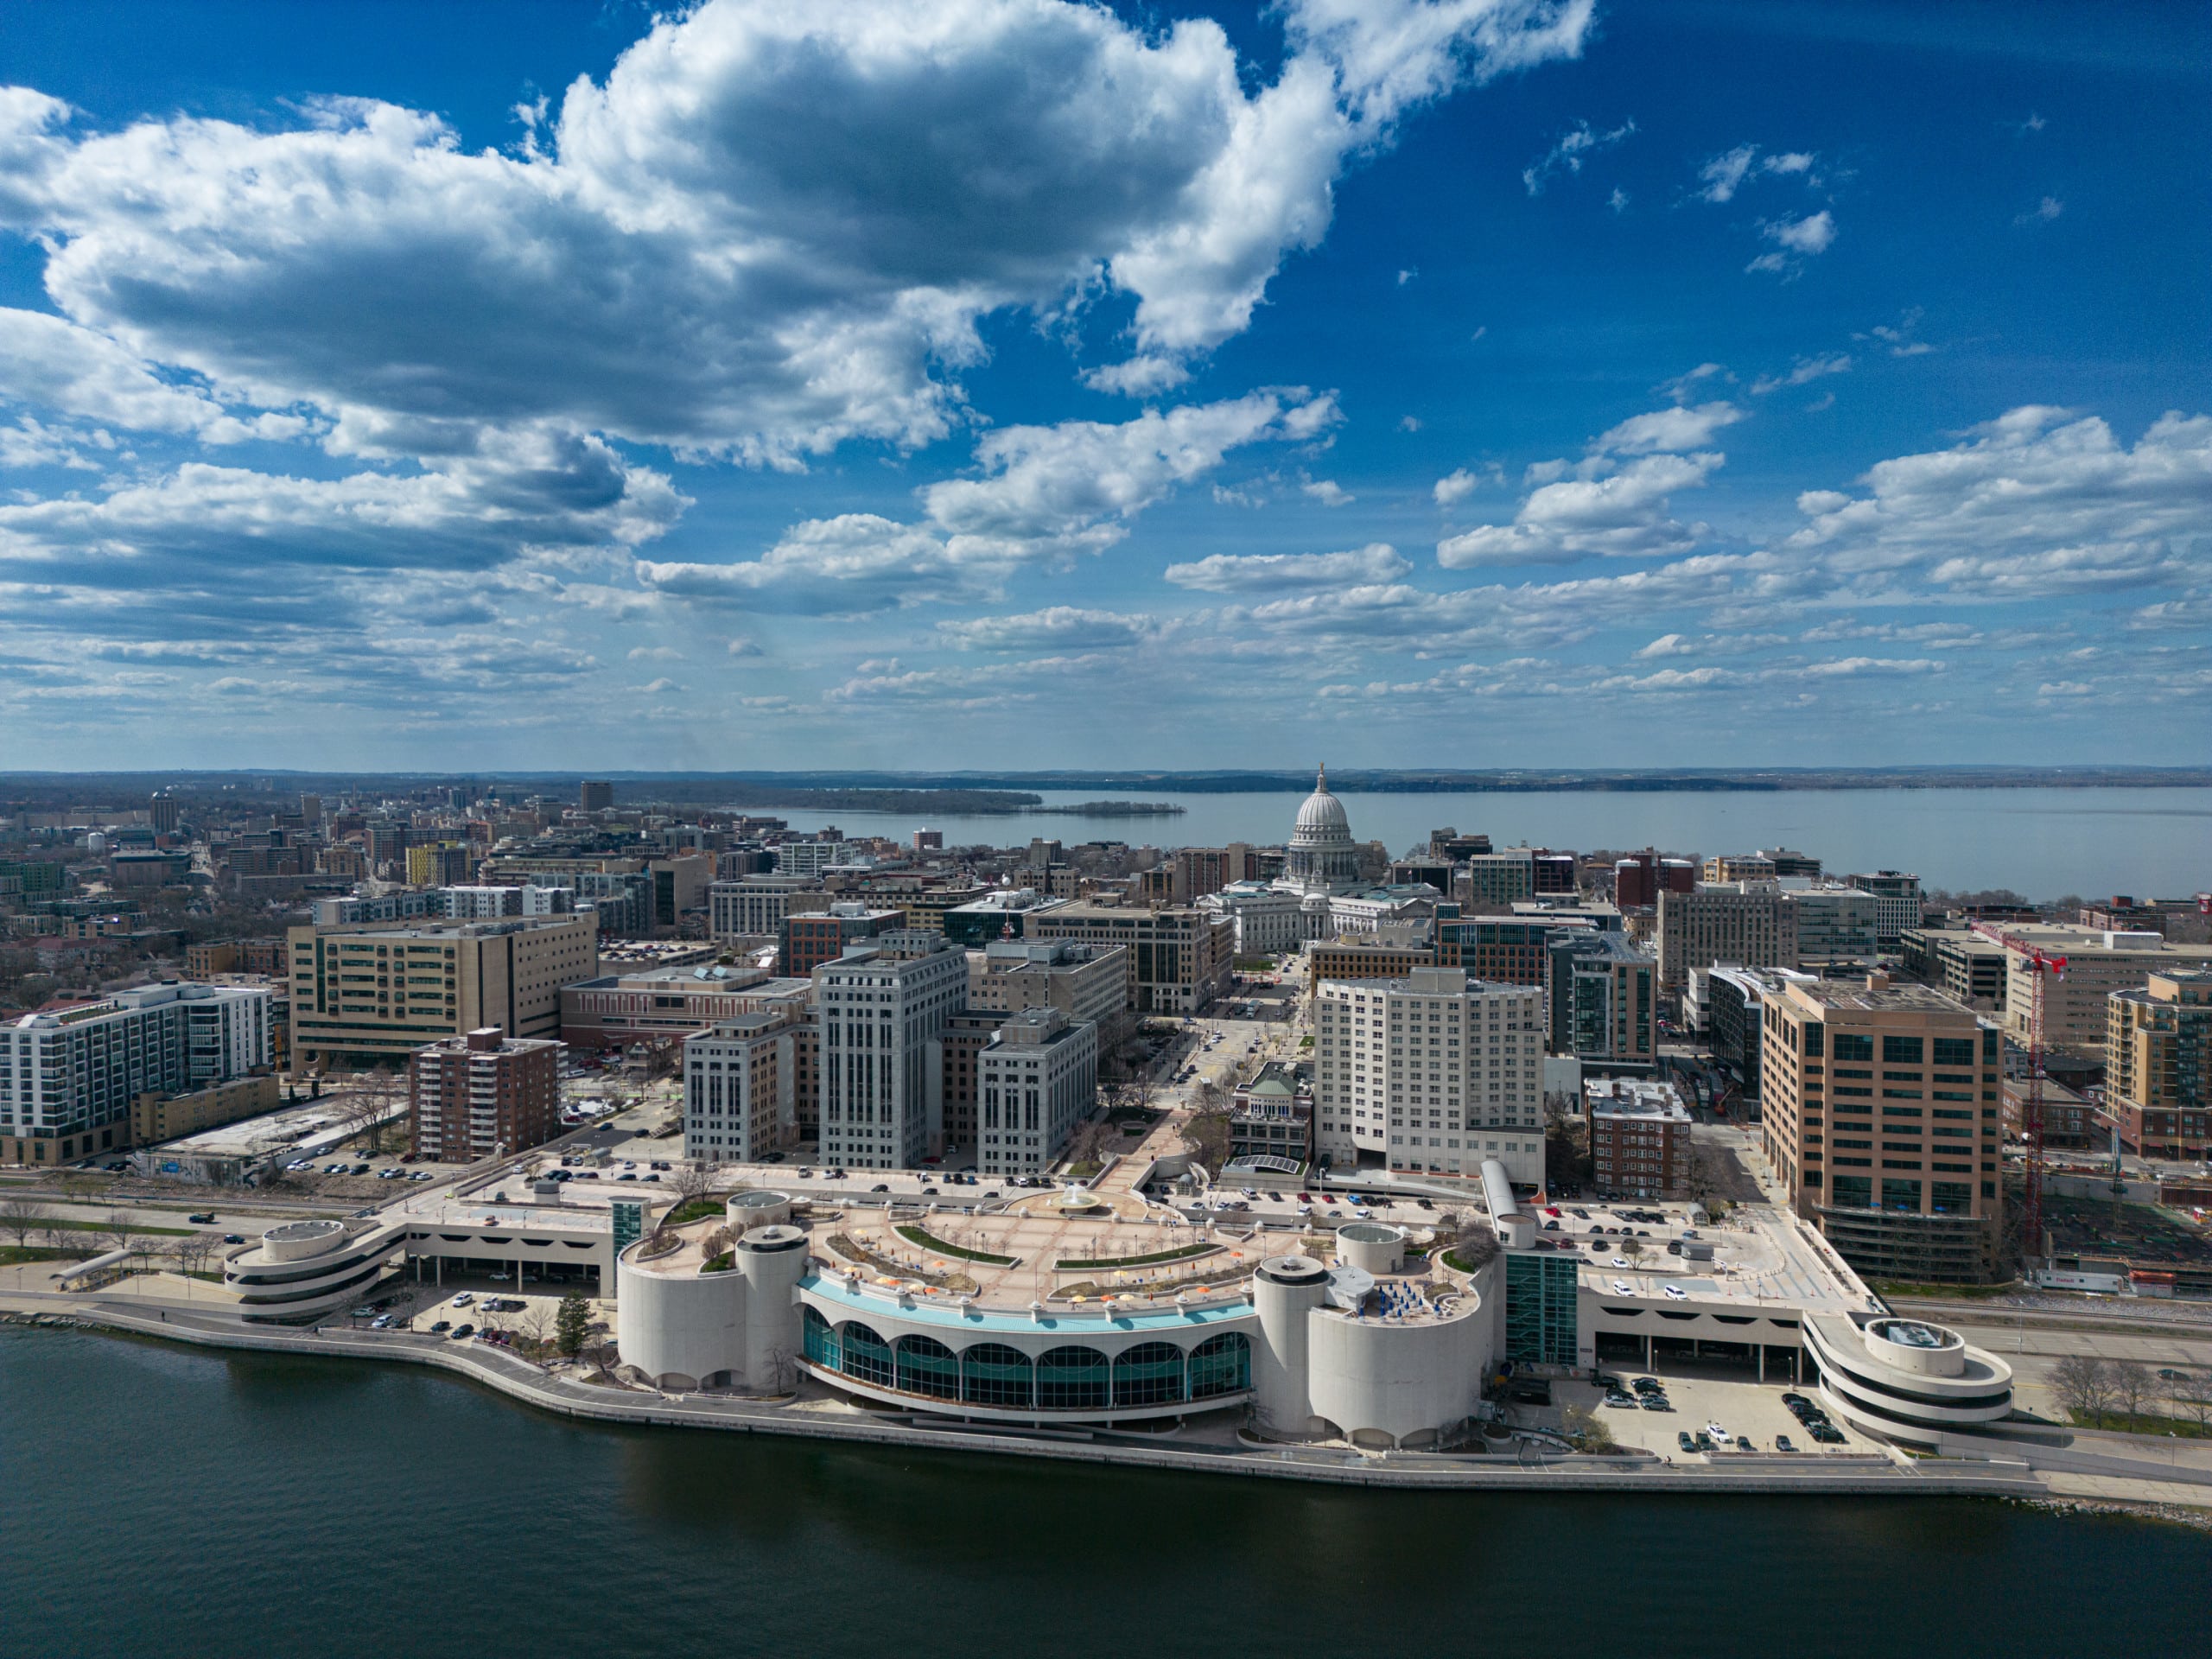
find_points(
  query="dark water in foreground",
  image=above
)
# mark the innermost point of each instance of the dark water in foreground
(157, 1501)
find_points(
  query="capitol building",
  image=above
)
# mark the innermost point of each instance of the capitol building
(1321, 857)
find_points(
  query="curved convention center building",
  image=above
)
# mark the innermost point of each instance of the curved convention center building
(1906, 1379)
(1014, 1324)
(303, 1269)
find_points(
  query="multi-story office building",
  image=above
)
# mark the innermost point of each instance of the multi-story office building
(1956, 961)
(1000, 913)
(2075, 1003)
(1735, 1001)
(1639, 1139)
(1516, 952)
(1498, 878)
(1836, 924)
(1180, 959)
(1604, 999)
(1880, 1108)
(614, 1010)
(755, 907)
(955, 1070)
(1037, 1077)
(69, 1076)
(594, 795)
(878, 1020)
(1328, 959)
(1267, 919)
(1739, 922)
(1432, 1072)
(1087, 983)
(482, 1095)
(2159, 1065)
(1897, 903)
(926, 906)
(1738, 866)
(814, 938)
(1789, 862)
(387, 991)
(1198, 871)
(739, 1080)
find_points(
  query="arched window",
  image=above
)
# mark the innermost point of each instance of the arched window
(1150, 1374)
(927, 1366)
(823, 1347)
(992, 1374)
(1072, 1379)
(867, 1357)
(1221, 1364)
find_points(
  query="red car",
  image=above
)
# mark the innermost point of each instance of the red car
(1306, 1197)
(1551, 1210)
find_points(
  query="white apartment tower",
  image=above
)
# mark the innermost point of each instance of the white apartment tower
(876, 1019)
(1434, 1073)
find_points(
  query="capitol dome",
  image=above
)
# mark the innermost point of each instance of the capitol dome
(1322, 816)
(1321, 854)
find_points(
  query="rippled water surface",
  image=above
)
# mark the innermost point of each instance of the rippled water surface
(163, 1501)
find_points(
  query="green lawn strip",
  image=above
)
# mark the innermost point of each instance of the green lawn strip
(930, 1241)
(1074, 1264)
(694, 1210)
(51, 1223)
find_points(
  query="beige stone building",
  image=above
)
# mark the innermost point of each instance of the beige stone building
(1743, 923)
(2098, 963)
(385, 990)
(1879, 1104)
(1179, 958)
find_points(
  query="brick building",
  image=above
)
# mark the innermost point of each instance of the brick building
(482, 1095)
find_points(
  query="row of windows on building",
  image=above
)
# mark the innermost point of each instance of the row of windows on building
(1071, 1378)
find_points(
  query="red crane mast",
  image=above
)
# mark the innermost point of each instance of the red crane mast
(2039, 963)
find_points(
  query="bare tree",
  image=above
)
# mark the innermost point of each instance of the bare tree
(1632, 1248)
(693, 1178)
(2133, 1385)
(2084, 1386)
(536, 1327)
(22, 1216)
(118, 1229)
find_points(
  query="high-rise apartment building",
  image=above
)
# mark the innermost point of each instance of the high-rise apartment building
(1639, 879)
(1738, 866)
(740, 1077)
(1744, 922)
(1180, 959)
(482, 1095)
(877, 1019)
(163, 812)
(68, 1076)
(1881, 1110)
(388, 990)
(1432, 1072)
(1837, 924)
(595, 796)
(443, 864)
(2159, 1065)
(1604, 998)
(1038, 1079)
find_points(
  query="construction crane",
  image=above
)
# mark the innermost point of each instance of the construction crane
(2039, 963)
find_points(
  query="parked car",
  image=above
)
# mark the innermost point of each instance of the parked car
(1683, 1440)
(1782, 1443)
(1828, 1434)
(460, 1331)
(1657, 1403)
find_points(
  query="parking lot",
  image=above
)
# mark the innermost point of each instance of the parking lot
(1701, 1396)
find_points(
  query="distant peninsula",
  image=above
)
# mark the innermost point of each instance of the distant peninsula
(1116, 808)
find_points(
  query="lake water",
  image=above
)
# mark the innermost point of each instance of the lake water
(2042, 843)
(158, 1501)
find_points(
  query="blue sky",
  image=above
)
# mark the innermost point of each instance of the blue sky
(999, 382)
